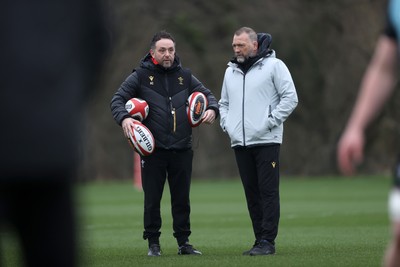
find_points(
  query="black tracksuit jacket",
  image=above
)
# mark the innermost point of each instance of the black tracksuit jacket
(166, 92)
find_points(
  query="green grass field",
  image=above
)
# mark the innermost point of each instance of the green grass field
(324, 222)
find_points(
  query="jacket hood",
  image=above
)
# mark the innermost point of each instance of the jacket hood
(264, 42)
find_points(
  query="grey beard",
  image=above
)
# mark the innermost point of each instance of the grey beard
(241, 59)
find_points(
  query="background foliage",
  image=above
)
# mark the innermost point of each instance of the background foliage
(325, 44)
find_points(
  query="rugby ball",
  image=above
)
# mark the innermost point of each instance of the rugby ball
(142, 139)
(196, 106)
(137, 108)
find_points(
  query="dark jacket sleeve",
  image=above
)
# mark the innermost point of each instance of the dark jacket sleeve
(197, 86)
(126, 91)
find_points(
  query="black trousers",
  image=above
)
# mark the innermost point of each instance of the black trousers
(259, 172)
(176, 167)
(42, 215)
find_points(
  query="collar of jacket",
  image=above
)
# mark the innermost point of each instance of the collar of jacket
(148, 63)
(235, 65)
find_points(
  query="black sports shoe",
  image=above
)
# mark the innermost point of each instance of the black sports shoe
(247, 252)
(154, 250)
(263, 248)
(187, 249)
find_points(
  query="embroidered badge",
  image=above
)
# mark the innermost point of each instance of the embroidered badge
(180, 80)
(151, 78)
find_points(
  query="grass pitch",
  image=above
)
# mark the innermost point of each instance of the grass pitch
(324, 222)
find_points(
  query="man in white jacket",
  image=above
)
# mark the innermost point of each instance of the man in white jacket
(258, 95)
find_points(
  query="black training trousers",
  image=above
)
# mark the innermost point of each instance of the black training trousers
(176, 166)
(259, 172)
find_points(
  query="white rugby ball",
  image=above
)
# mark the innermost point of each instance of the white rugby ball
(142, 139)
(137, 108)
(196, 106)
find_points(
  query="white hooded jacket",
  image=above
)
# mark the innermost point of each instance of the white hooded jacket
(253, 106)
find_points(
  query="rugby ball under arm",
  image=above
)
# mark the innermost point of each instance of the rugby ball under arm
(196, 106)
(137, 108)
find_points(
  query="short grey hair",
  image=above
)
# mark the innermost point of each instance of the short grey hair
(250, 32)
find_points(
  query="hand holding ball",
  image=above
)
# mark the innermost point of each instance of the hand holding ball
(197, 105)
(142, 139)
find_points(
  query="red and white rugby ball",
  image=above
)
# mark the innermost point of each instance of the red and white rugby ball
(197, 104)
(137, 108)
(142, 139)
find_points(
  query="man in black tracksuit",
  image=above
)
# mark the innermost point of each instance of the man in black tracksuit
(165, 86)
